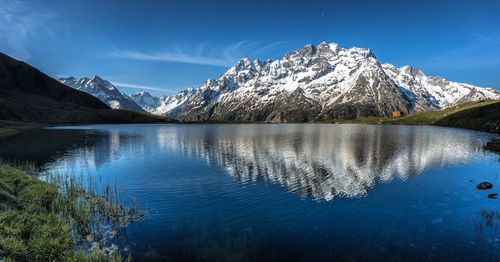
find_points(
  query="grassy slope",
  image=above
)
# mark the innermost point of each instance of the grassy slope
(434, 117)
(483, 116)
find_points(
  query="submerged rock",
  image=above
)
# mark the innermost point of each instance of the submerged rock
(135, 217)
(112, 233)
(492, 195)
(484, 185)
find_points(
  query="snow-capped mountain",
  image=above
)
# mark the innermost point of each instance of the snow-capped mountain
(175, 103)
(103, 90)
(316, 83)
(146, 101)
(434, 91)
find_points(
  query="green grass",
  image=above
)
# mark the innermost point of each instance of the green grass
(483, 116)
(7, 131)
(53, 220)
(436, 117)
(29, 225)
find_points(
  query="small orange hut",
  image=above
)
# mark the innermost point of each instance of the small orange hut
(396, 114)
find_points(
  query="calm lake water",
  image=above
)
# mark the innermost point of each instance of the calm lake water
(287, 192)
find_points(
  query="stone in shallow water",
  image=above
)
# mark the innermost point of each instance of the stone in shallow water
(484, 185)
(111, 234)
(492, 195)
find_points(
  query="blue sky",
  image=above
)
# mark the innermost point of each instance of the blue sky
(166, 46)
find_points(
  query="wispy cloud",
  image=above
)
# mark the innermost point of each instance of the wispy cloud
(136, 86)
(200, 54)
(170, 57)
(19, 22)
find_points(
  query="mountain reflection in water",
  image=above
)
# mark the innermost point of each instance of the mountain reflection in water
(321, 161)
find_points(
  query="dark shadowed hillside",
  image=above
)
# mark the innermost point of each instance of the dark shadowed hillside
(28, 95)
(483, 118)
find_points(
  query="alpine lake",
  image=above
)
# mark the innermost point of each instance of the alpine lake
(286, 192)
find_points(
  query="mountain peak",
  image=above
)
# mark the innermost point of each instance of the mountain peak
(322, 44)
(141, 94)
(370, 54)
(146, 101)
(364, 52)
(244, 63)
(103, 90)
(306, 51)
(97, 79)
(328, 46)
(310, 49)
(411, 70)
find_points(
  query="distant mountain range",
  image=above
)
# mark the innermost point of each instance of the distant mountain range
(103, 90)
(313, 83)
(146, 101)
(28, 95)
